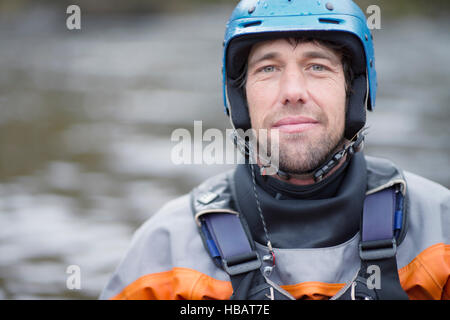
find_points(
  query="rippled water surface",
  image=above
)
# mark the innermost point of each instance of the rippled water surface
(86, 119)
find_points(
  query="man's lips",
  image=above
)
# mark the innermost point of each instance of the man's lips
(295, 124)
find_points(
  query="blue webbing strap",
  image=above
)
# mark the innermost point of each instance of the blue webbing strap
(226, 236)
(381, 222)
(378, 216)
(378, 222)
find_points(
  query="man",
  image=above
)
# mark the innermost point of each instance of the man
(328, 222)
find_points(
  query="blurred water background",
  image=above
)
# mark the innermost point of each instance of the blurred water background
(86, 118)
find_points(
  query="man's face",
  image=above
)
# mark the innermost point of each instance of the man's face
(299, 89)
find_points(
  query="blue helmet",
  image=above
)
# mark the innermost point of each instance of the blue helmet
(338, 21)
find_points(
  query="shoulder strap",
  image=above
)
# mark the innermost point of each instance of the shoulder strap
(229, 243)
(378, 277)
(227, 240)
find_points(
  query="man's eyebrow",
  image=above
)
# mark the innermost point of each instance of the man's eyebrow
(321, 55)
(267, 56)
(308, 54)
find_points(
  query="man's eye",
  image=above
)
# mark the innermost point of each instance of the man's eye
(268, 69)
(317, 67)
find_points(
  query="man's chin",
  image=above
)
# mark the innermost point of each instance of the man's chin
(303, 152)
(303, 161)
(298, 168)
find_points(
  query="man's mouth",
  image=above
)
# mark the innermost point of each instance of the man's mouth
(295, 124)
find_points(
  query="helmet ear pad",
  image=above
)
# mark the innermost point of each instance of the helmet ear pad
(355, 116)
(238, 106)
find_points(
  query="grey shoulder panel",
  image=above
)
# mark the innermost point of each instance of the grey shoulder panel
(429, 217)
(381, 173)
(213, 194)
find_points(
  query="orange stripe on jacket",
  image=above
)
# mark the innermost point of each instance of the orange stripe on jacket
(176, 284)
(426, 277)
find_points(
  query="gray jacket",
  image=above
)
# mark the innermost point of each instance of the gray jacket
(167, 259)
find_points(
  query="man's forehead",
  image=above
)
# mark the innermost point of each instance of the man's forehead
(261, 48)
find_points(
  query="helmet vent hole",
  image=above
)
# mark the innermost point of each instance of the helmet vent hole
(251, 24)
(328, 20)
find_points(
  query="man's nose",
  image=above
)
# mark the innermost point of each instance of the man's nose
(293, 87)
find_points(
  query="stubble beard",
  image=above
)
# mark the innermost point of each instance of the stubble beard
(299, 155)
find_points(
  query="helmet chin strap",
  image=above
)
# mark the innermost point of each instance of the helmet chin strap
(331, 162)
(319, 172)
